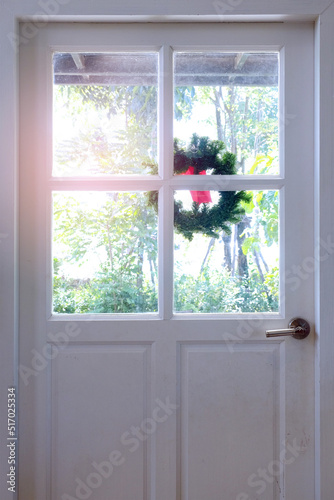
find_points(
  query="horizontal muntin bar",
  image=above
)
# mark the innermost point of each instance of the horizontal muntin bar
(212, 183)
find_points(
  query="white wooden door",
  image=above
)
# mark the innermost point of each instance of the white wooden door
(167, 406)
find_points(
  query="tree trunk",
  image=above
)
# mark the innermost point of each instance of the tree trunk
(140, 281)
(257, 135)
(216, 101)
(152, 272)
(211, 244)
(110, 248)
(231, 116)
(242, 258)
(235, 245)
(258, 265)
(227, 252)
(244, 141)
(264, 262)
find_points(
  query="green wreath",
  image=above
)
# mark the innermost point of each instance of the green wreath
(205, 155)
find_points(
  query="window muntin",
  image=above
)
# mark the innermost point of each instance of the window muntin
(89, 93)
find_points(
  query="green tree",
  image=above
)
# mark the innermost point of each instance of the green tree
(125, 226)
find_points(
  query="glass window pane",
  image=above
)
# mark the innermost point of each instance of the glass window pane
(105, 113)
(104, 252)
(233, 98)
(226, 252)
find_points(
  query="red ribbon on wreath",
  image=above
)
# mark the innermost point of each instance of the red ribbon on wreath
(199, 196)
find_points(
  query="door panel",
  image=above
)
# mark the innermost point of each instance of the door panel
(162, 406)
(230, 417)
(92, 409)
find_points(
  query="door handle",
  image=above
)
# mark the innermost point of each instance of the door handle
(298, 329)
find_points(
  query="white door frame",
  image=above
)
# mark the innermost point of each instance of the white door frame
(322, 12)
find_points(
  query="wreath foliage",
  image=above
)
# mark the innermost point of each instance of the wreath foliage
(205, 155)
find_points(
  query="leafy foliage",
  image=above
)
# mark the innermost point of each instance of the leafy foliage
(119, 234)
(120, 231)
(117, 129)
